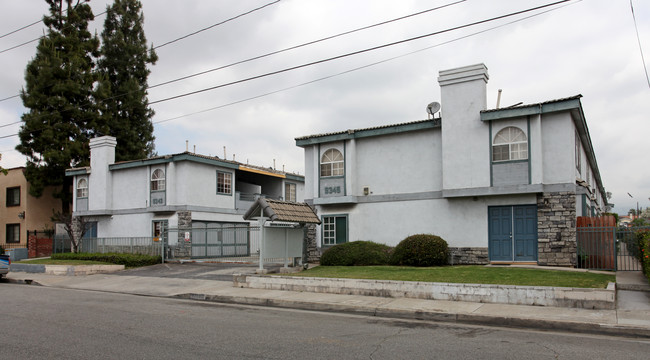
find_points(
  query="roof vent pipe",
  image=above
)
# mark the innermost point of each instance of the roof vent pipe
(187, 145)
(499, 98)
(224, 153)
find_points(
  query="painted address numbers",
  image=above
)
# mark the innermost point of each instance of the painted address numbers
(332, 190)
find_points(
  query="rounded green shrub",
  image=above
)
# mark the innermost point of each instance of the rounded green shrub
(356, 253)
(421, 250)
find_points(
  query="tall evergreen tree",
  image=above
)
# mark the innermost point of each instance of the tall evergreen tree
(58, 94)
(123, 103)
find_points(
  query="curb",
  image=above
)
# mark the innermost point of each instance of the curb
(69, 270)
(467, 319)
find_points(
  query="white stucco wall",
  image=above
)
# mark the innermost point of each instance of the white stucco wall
(558, 144)
(397, 164)
(196, 184)
(461, 222)
(131, 188)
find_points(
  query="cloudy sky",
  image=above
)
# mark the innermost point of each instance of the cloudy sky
(587, 47)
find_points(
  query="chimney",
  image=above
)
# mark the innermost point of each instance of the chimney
(465, 138)
(102, 154)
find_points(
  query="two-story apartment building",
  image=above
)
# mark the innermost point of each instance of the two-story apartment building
(138, 198)
(21, 212)
(501, 185)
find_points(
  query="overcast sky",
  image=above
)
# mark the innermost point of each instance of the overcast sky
(589, 47)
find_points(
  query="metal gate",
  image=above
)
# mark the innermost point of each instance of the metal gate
(603, 246)
(218, 240)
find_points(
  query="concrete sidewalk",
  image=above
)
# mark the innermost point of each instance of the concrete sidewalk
(630, 319)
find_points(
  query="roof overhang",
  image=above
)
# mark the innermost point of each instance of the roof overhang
(275, 210)
(369, 132)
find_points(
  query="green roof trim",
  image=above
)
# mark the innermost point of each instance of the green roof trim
(532, 109)
(172, 158)
(369, 132)
(295, 177)
(75, 172)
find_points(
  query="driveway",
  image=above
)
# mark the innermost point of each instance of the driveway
(198, 270)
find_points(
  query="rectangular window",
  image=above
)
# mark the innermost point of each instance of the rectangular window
(335, 230)
(224, 183)
(290, 192)
(13, 196)
(13, 233)
(158, 229)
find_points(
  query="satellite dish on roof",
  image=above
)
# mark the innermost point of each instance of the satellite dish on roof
(433, 108)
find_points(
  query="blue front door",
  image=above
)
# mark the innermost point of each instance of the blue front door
(512, 233)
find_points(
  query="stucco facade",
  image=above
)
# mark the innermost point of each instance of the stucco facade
(500, 185)
(133, 198)
(21, 212)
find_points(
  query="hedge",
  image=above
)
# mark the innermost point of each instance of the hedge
(128, 260)
(356, 253)
(421, 250)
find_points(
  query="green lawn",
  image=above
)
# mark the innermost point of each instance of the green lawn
(467, 275)
(61, 262)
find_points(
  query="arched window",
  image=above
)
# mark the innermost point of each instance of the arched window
(158, 180)
(82, 188)
(510, 144)
(332, 164)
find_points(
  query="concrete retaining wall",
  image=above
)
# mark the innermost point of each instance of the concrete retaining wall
(66, 269)
(500, 294)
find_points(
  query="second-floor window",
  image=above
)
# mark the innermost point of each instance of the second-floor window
(13, 196)
(224, 183)
(82, 188)
(290, 192)
(332, 163)
(158, 180)
(510, 144)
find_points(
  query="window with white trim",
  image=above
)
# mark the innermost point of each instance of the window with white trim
(82, 188)
(224, 183)
(290, 192)
(335, 230)
(158, 180)
(510, 144)
(332, 163)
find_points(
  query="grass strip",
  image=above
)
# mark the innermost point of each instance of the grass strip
(466, 274)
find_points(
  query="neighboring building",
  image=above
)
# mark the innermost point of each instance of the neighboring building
(137, 198)
(20, 212)
(502, 185)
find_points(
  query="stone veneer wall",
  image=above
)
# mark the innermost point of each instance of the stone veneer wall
(556, 229)
(311, 253)
(468, 256)
(183, 249)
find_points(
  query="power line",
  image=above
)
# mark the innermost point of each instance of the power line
(19, 45)
(640, 47)
(8, 98)
(217, 24)
(353, 53)
(345, 55)
(304, 44)
(22, 28)
(360, 67)
(286, 49)
(31, 41)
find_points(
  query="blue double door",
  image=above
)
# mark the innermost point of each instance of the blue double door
(512, 233)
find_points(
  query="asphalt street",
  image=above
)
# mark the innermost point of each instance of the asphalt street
(41, 322)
